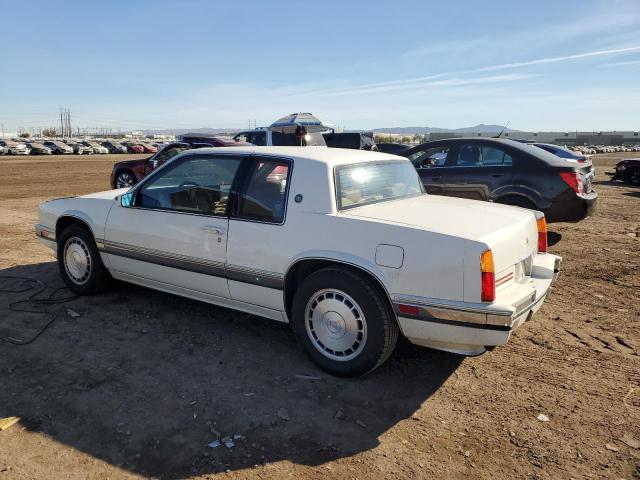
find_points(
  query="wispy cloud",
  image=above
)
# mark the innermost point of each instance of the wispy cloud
(450, 78)
(620, 64)
(421, 84)
(448, 48)
(541, 61)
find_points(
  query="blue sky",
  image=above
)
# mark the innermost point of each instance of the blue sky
(545, 65)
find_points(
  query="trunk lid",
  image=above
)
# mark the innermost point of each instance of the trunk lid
(510, 232)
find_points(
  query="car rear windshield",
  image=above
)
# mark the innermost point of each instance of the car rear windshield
(366, 183)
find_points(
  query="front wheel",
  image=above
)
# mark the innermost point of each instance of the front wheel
(343, 322)
(79, 262)
(124, 179)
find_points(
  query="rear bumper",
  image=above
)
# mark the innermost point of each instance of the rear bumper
(468, 330)
(573, 209)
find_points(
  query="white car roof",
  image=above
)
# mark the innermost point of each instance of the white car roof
(329, 156)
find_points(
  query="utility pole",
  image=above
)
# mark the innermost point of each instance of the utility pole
(2, 125)
(61, 123)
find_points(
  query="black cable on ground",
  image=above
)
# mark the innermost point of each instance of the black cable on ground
(36, 299)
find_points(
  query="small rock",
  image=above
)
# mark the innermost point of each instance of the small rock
(613, 448)
(339, 414)
(72, 313)
(597, 295)
(542, 417)
(283, 414)
(627, 439)
(361, 424)
(467, 453)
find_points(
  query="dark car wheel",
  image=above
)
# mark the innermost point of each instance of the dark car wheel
(633, 177)
(343, 322)
(79, 261)
(125, 179)
(517, 201)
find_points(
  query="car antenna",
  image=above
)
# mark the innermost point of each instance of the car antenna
(503, 129)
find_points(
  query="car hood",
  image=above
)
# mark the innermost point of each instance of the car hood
(106, 195)
(131, 163)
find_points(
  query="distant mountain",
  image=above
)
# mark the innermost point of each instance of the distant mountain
(182, 131)
(481, 128)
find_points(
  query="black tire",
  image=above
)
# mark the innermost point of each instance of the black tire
(96, 278)
(632, 177)
(379, 321)
(517, 201)
(121, 176)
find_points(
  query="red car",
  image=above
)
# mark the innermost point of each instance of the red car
(128, 173)
(148, 148)
(132, 148)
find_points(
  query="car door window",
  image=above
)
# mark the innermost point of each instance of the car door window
(198, 184)
(429, 157)
(264, 195)
(474, 155)
(494, 156)
(468, 156)
(167, 154)
(258, 138)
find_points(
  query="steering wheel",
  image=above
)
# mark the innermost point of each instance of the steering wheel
(189, 183)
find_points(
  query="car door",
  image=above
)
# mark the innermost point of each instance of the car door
(255, 256)
(430, 163)
(476, 170)
(173, 231)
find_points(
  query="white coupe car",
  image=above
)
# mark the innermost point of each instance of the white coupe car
(343, 244)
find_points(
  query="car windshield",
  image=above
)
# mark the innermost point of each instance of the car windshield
(366, 183)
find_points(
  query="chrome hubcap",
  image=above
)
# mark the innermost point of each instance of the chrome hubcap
(124, 180)
(336, 325)
(77, 260)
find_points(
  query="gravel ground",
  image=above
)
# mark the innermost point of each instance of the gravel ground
(136, 383)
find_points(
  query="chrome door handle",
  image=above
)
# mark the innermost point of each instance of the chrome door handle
(213, 229)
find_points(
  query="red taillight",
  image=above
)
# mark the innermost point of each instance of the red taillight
(488, 277)
(542, 235)
(573, 180)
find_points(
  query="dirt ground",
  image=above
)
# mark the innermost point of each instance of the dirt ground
(135, 383)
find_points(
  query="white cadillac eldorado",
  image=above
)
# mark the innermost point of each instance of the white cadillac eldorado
(343, 244)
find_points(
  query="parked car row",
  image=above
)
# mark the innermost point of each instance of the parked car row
(591, 150)
(74, 146)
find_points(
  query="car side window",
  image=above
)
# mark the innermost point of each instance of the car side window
(264, 195)
(494, 156)
(199, 184)
(474, 155)
(429, 157)
(258, 138)
(165, 155)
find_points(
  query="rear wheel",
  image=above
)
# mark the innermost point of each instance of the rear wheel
(633, 177)
(517, 201)
(125, 179)
(79, 261)
(343, 322)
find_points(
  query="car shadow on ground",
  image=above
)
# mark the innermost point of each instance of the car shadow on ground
(145, 381)
(632, 194)
(553, 238)
(610, 183)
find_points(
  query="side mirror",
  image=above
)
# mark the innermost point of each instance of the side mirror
(126, 200)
